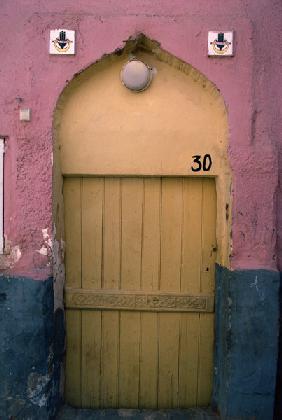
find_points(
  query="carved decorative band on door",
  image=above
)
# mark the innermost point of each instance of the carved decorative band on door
(136, 301)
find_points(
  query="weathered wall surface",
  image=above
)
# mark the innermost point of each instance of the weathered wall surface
(249, 83)
(244, 367)
(31, 349)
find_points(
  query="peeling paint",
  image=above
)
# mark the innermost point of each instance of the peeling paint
(43, 250)
(255, 285)
(46, 248)
(16, 253)
(36, 391)
(12, 255)
(58, 273)
(47, 238)
(38, 388)
(31, 350)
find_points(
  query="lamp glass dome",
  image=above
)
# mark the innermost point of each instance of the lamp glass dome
(136, 75)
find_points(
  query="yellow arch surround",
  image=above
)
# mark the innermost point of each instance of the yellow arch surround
(101, 128)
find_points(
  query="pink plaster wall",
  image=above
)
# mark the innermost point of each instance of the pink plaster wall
(250, 84)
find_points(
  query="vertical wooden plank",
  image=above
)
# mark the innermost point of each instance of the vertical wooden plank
(132, 219)
(132, 202)
(171, 243)
(112, 234)
(151, 235)
(188, 359)
(72, 206)
(73, 358)
(111, 280)
(190, 283)
(148, 392)
(92, 197)
(206, 337)
(208, 235)
(168, 360)
(171, 234)
(109, 359)
(129, 359)
(90, 358)
(191, 235)
(205, 359)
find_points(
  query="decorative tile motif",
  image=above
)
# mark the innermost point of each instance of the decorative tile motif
(220, 43)
(62, 42)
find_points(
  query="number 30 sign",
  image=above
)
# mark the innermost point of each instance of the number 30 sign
(200, 163)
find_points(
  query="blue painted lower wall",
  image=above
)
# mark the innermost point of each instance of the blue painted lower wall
(246, 350)
(247, 323)
(31, 345)
(278, 396)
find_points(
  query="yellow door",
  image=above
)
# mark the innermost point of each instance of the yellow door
(139, 294)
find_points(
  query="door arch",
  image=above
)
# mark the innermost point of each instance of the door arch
(132, 200)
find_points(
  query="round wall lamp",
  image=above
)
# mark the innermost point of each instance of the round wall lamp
(136, 75)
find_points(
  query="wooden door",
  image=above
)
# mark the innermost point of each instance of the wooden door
(140, 256)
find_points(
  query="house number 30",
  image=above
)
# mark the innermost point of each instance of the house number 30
(200, 163)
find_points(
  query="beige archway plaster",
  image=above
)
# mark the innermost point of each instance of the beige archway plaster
(101, 128)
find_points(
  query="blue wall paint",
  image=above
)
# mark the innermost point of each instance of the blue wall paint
(247, 322)
(32, 341)
(278, 405)
(247, 318)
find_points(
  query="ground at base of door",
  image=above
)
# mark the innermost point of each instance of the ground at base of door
(69, 413)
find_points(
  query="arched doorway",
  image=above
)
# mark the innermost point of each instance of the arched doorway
(143, 231)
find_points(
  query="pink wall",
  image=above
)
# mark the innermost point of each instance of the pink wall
(250, 84)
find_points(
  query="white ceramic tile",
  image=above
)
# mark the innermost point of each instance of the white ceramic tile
(62, 42)
(25, 114)
(220, 43)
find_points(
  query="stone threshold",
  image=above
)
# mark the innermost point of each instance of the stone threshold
(70, 413)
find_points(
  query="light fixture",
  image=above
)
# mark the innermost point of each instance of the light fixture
(136, 75)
